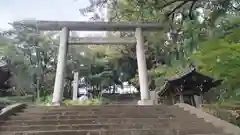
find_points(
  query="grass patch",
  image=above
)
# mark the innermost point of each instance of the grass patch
(92, 101)
(47, 100)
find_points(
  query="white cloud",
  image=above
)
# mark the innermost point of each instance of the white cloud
(4, 19)
(60, 10)
(11, 10)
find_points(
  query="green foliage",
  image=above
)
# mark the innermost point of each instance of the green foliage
(92, 101)
(229, 113)
(33, 59)
(44, 100)
(219, 54)
(167, 9)
(220, 57)
(179, 38)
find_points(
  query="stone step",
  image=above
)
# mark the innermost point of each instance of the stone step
(54, 117)
(173, 112)
(94, 117)
(180, 114)
(118, 132)
(121, 114)
(106, 120)
(105, 126)
(83, 127)
(99, 106)
(97, 110)
(86, 121)
(96, 107)
(92, 112)
(149, 122)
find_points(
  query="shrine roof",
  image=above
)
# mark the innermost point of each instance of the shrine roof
(189, 78)
(186, 73)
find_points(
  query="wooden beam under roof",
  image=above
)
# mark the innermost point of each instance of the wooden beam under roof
(102, 41)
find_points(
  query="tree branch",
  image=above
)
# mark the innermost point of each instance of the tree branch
(191, 9)
(169, 3)
(178, 7)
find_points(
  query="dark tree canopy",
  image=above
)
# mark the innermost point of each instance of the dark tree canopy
(170, 8)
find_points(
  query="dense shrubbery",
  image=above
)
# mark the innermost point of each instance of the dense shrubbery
(228, 112)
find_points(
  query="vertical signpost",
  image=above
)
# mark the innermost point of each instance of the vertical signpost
(75, 85)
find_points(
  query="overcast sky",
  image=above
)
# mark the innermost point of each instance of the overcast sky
(11, 10)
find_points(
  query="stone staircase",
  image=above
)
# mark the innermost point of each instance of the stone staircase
(105, 120)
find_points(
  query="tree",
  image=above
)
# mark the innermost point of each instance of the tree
(187, 24)
(220, 55)
(168, 8)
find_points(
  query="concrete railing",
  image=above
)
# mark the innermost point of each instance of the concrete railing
(227, 127)
(10, 110)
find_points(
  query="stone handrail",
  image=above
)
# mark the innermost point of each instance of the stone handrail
(227, 127)
(11, 109)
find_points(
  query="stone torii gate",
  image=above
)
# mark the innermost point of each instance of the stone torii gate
(66, 26)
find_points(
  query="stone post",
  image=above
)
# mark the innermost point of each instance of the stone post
(154, 96)
(61, 65)
(181, 100)
(75, 85)
(198, 100)
(142, 69)
(172, 98)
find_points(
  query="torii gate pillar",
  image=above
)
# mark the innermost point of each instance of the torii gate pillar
(142, 70)
(61, 66)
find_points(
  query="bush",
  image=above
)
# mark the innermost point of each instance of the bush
(92, 101)
(47, 100)
(227, 112)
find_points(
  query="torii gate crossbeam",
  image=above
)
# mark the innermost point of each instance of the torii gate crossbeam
(89, 26)
(66, 26)
(101, 41)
